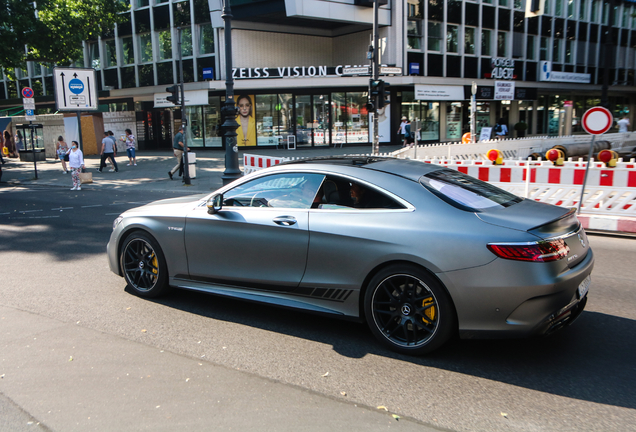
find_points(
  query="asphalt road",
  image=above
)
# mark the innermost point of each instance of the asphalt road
(52, 250)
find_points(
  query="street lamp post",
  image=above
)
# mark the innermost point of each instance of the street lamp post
(473, 108)
(228, 111)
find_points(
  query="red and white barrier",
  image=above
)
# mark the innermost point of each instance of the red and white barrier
(253, 163)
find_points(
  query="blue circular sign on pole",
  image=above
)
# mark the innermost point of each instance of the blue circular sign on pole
(27, 92)
(76, 86)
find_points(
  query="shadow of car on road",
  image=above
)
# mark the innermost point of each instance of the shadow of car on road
(593, 360)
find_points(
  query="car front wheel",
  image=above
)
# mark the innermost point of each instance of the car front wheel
(144, 265)
(408, 311)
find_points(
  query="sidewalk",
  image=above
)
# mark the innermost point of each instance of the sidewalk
(151, 174)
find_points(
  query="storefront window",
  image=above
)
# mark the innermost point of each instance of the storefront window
(358, 126)
(195, 128)
(265, 119)
(321, 124)
(303, 120)
(425, 111)
(453, 120)
(340, 118)
(285, 110)
(211, 119)
(525, 114)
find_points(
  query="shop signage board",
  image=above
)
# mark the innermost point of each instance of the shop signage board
(504, 90)
(75, 89)
(309, 71)
(388, 70)
(439, 92)
(547, 74)
(192, 98)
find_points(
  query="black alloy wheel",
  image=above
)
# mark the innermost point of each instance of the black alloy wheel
(408, 311)
(144, 265)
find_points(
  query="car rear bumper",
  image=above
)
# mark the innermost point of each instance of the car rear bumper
(507, 306)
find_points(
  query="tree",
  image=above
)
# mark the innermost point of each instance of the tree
(52, 31)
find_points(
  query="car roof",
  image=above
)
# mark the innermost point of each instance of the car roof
(406, 168)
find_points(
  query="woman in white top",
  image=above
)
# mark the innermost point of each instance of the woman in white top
(76, 163)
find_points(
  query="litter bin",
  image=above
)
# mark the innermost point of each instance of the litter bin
(192, 164)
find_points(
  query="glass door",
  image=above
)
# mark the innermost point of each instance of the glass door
(321, 123)
(304, 121)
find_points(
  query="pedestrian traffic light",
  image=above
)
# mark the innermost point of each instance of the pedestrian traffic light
(174, 94)
(385, 94)
(374, 88)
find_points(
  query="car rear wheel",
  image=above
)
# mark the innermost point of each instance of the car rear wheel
(408, 311)
(144, 265)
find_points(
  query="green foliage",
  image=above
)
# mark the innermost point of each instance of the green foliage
(54, 33)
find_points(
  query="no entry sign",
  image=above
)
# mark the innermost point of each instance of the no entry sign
(597, 120)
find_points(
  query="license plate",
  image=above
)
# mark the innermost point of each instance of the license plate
(584, 286)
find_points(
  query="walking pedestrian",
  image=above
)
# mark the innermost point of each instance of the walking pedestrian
(61, 148)
(111, 135)
(76, 162)
(2, 162)
(401, 130)
(623, 124)
(19, 145)
(409, 136)
(8, 142)
(178, 147)
(130, 148)
(107, 152)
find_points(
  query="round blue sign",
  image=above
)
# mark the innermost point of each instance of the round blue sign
(27, 92)
(76, 86)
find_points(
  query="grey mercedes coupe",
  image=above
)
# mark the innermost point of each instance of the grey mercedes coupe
(418, 251)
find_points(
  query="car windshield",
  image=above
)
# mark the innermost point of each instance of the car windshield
(466, 192)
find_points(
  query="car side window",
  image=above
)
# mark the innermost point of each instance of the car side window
(289, 190)
(339, 192)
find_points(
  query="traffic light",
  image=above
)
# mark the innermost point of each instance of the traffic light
(385, 94)
(174, 94)
(374, 88)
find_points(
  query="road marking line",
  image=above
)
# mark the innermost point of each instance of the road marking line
(63, 208)
(5, 213)
(96, 205)
(110, 214)
(29, 211)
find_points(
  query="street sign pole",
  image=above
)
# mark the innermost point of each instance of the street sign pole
(184, 120)
(375, 149)
(595, 121)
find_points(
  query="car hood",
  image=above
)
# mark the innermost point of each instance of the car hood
(162, 206)
(529, 215)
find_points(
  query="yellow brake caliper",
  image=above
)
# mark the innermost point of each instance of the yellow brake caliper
(155, 263)
(429, 312)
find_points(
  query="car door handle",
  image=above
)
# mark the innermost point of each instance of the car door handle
(285, 220)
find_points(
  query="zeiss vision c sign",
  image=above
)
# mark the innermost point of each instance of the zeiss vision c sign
(75, 89)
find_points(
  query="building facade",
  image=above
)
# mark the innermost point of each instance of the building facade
(294, 68)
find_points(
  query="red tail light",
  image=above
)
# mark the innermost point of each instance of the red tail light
(543, 251)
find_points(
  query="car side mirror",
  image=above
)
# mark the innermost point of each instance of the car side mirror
(215, 203)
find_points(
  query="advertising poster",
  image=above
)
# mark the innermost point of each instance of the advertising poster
(246, 132)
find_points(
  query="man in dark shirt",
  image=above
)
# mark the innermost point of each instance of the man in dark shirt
(178, 147)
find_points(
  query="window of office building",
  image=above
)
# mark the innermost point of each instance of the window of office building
(127, 51)
(571, 7)
(469, 40)
(583, 10)
(452, 39)
(486, 42)
(501, 45)
(164, 45)
(530, 49)
(625, 17)
(594, 10)
(93, 56)
(206, 39)
(434, 36)
(558, 8)
(569, 51)
(543, 50)
(145, 47)
(503, 2)
(414, 33)
(556, 51)
(186, 42)
(110, 53)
